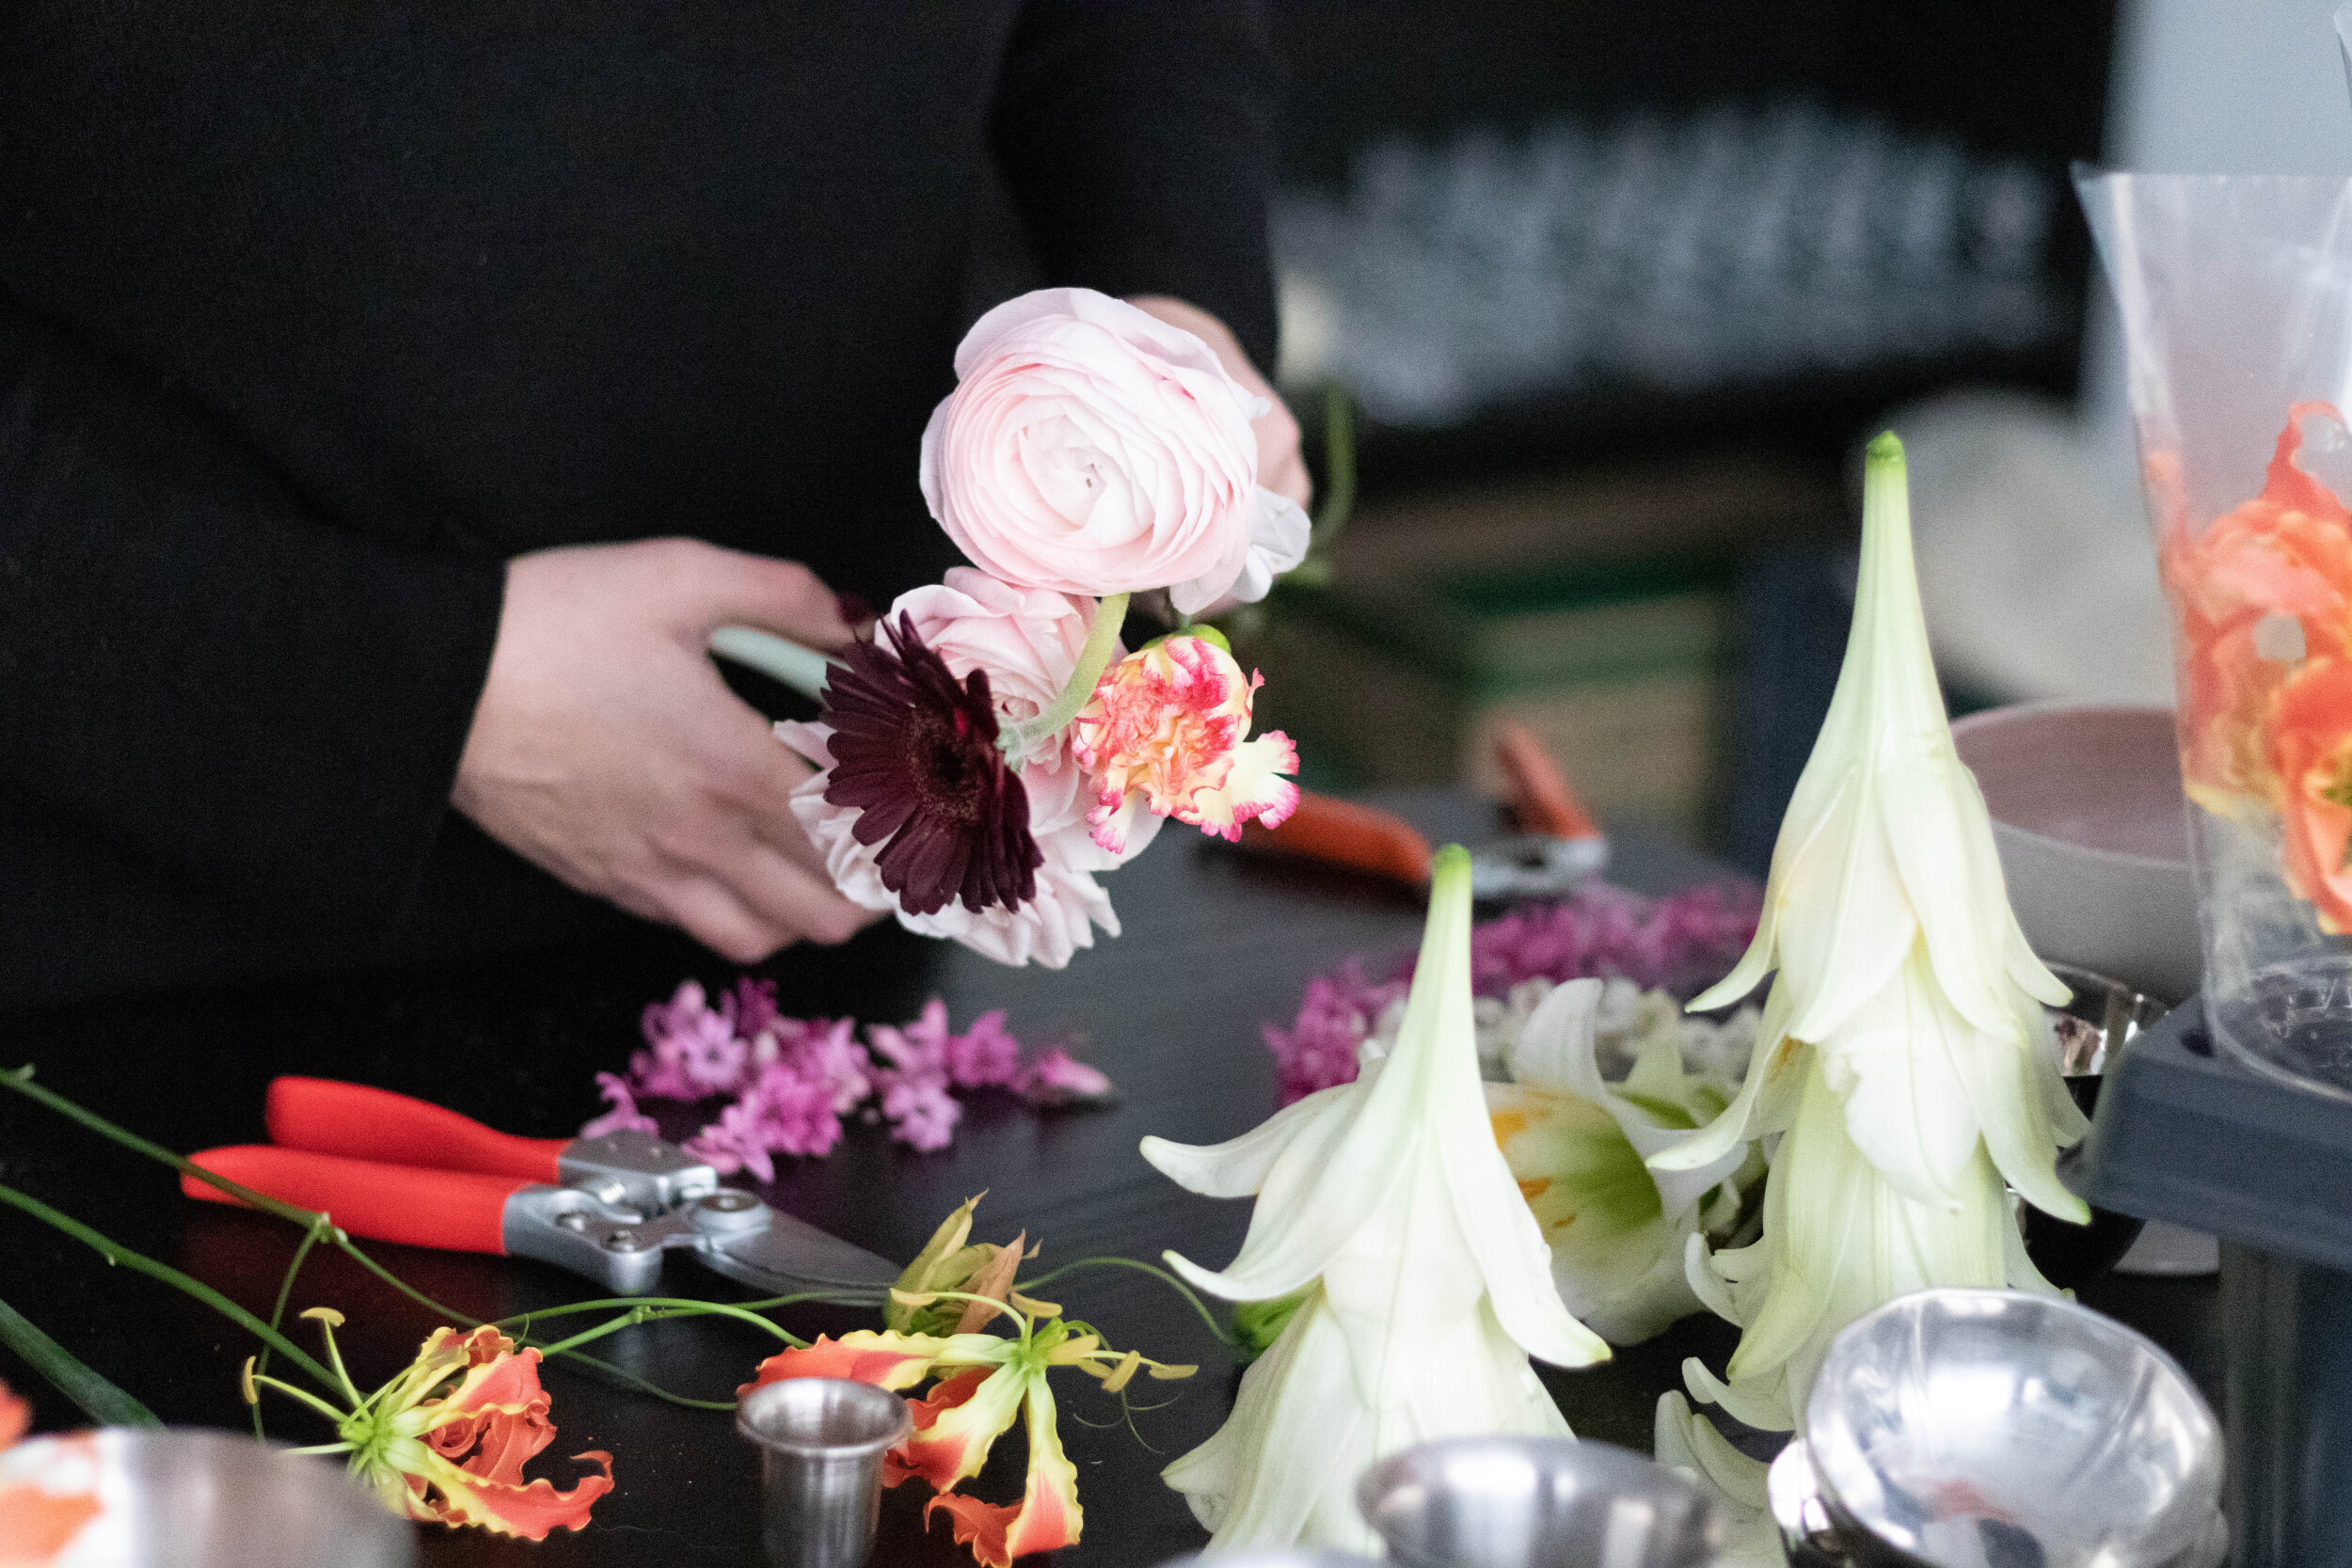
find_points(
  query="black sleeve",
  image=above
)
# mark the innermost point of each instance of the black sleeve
(1136, 138)
(199, 672)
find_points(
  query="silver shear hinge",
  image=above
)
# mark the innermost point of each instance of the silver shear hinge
(620, 1244)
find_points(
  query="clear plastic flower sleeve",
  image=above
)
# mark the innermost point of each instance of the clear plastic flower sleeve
(2236, 300)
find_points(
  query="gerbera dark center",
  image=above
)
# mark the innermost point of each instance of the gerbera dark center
(916, 753)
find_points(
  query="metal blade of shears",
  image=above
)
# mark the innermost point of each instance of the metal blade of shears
(790, 1257)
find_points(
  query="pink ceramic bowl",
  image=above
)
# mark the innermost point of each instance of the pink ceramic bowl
(2093, 836)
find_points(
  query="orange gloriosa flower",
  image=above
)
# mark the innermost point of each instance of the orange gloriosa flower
(985, 1383)
(2262, 592)
(447, 1439)
(43, 1503)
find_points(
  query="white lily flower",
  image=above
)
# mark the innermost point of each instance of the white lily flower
(1735, 1483)
(1431, 1284)
(1577, 1144)
(1903, 1050)
(1840, 1242)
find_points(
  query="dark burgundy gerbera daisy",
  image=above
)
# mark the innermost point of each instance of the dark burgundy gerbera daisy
(916, 755)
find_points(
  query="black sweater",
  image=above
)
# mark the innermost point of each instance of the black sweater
(312, 314)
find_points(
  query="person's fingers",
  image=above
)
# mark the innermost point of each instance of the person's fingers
(1285, 474)
(777, 826)
(721, 587)
(789, 898)
(714, 917)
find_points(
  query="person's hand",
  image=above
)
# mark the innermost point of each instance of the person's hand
(1280, 468)
(607, 751)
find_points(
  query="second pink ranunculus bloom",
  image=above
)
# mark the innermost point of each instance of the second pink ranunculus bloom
(1165, 733)
(1093, 448)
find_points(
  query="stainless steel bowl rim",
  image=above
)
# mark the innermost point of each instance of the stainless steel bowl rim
(1817, 1412)
(897, 1433)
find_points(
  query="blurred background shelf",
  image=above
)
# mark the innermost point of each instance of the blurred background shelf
(1620, 291)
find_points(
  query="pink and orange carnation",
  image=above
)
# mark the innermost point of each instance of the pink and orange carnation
(1167, 732)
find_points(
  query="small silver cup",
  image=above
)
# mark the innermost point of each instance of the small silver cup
(821, 1441)
(1518, 1502)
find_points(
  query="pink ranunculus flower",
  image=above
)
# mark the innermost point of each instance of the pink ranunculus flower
(1164, 735)
(1027, 641)
(1093, 448)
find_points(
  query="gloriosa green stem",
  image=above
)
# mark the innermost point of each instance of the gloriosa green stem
(740, 1308)
(98, 1399)
(315, 1226)
(1224, 1336)
(319, 1227)
(113, 1252)
(1093, 658)
(20, 1080)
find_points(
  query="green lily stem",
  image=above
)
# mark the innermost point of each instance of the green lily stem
(113, 1252)
(1224, 1336)
(1093, 658)
(98, 1399)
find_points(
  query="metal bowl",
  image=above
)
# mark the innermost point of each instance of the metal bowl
(1989, 1429)
(1518, 1502)
(209, 1499)
(2092, 1029)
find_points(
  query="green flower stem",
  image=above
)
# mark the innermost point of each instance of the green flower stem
(319, 1228)
(1224, 1336)
(20, 1080)
(98, 1399)
(656, 1309)
(113, 1252)
(781, 660)
(631, 1381)
(691, 1305)
(1093, 659)
(315, 1224)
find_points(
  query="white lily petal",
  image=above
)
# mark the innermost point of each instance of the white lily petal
(1237, 1168)
(1907, 1106)
(1684, 1441)
(1761, 1402)
(1767, 1099)
(1687, 1441)
(2018, 1265)
(1698, 1271)
(1555, 1047)
(1434, 1281)
(1616, 1257)
(1281, 1466)
(2014, 1087)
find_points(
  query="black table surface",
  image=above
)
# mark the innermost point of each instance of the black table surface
(1216, 945)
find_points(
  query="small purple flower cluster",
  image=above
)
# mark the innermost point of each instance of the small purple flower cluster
(1680, 943)
(793, 1081)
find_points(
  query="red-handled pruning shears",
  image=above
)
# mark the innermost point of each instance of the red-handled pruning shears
(396, 1169)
